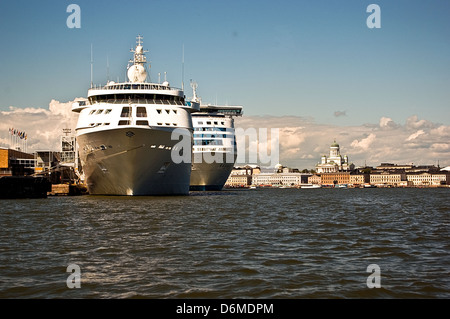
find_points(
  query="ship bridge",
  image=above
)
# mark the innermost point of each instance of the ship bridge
(229, 110)
(146, 93)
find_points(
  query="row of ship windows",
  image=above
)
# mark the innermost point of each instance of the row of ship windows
(141, 111)
(210, 123)
(208, 142)
(200, 129)
(162, 98)
(136, 87)
(96, 112)
(210, 135)
(129, 122)
(215, 149)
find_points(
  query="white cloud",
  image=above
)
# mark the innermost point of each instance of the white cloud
(441, 131)
(386, 122)
(365, 143)
(414, 123)
(415, 135)
(42, 126)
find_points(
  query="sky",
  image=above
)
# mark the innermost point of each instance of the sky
(312, 68)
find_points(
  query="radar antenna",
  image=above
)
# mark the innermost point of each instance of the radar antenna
(139, 39)
(136, 72)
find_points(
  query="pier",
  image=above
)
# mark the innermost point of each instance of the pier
(12, 187)
(67, 190)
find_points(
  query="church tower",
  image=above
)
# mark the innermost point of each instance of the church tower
(334, 150)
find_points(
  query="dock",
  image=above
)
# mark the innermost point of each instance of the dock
(12, 187)
(67, 190)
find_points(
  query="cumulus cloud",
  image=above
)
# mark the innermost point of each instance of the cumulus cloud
(414, 123)
(441, 131)
(44, 127)
(364, 143)
(387, 123)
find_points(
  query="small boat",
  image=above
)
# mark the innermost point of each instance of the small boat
(311, 186)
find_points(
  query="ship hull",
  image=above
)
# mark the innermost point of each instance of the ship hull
(132, 161)
(209, 176)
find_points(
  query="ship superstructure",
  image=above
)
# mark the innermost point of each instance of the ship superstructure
(124, 135)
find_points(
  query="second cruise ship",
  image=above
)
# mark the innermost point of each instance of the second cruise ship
(214, 150)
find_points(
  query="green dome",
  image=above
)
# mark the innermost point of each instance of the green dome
(335, 144)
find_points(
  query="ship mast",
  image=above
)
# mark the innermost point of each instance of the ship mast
(136, 72)
(194, 86)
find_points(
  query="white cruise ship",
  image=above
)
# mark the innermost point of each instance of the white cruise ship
(124, 135)
(214, 150)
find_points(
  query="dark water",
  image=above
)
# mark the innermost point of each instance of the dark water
(264, 243)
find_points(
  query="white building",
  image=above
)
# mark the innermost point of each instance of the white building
(335, 162)
(427, 179)
(282, 179)
(387, 179)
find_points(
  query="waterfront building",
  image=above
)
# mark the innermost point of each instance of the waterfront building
(406, 168)
(314, 179)
(14, 162)
(246, 170)
(338, 178)
(391, 166)
(335, 162)
(423, 169)
(388, 179)
(241, 176)
(284, 169)
(428, 179)
(359, 179)
(280, 179)
(239, 180)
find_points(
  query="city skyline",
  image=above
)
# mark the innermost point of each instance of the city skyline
(313, 69)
